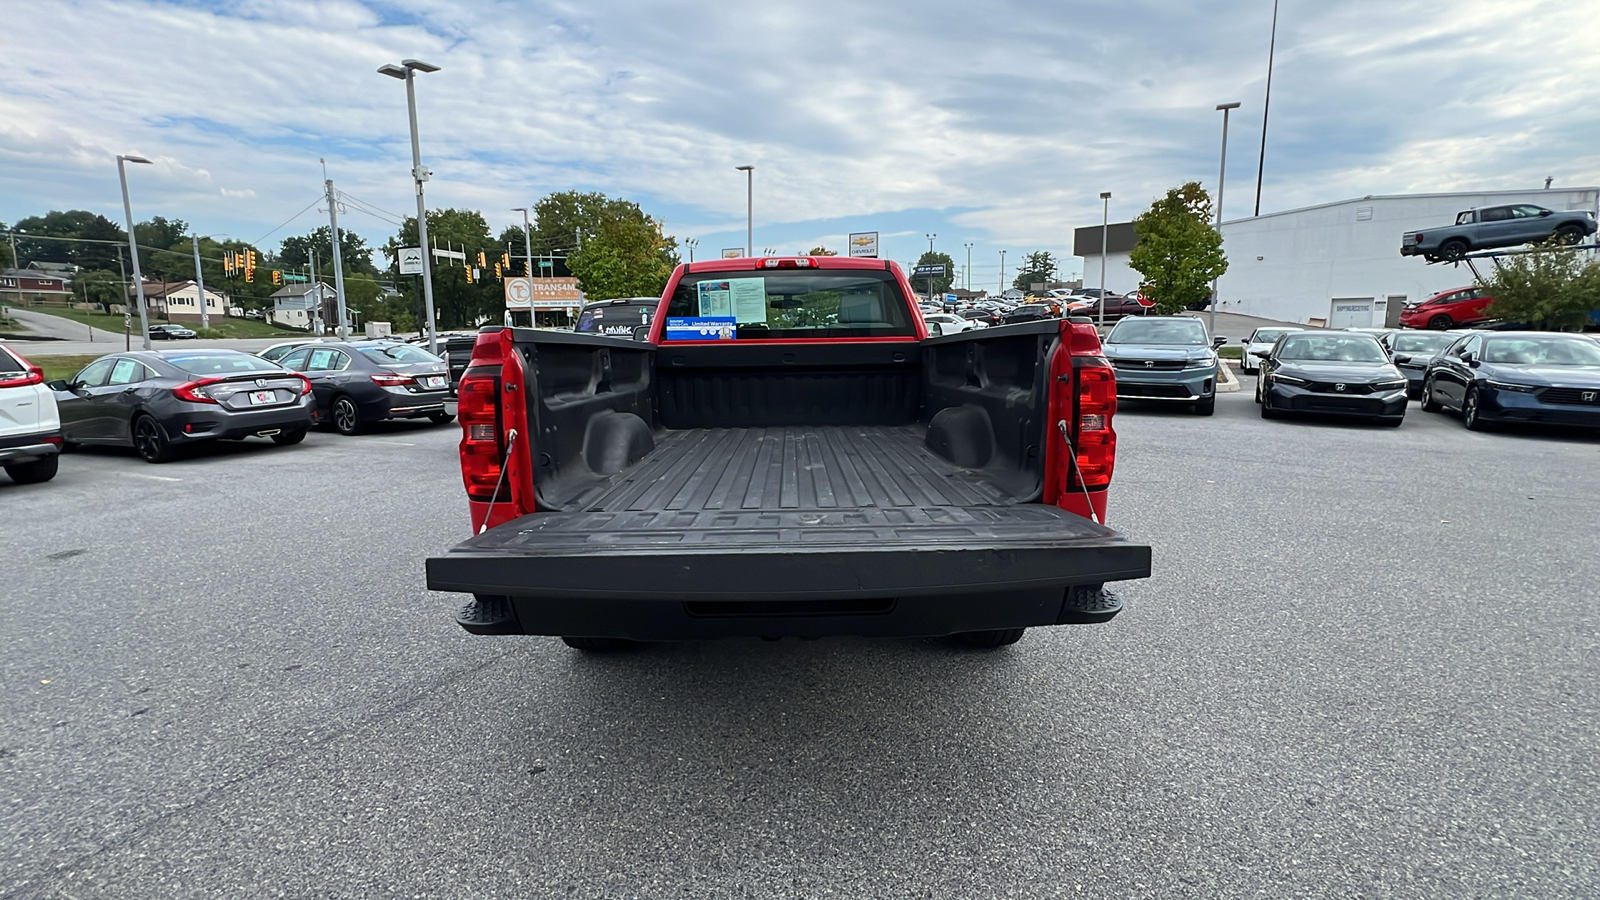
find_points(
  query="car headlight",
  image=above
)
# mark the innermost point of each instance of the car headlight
(1289, 379)
(1204, 363)
(1504, 386)
(1390, 385)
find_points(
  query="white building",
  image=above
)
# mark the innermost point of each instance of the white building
(179, 301)
(308, 307)
(1337, 264)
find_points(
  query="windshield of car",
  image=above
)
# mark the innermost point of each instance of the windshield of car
(392, 354)
(1268, 335)
(1554, 350)
(1332, 348)
(225, 363)
(1422, 343)
(787, 303)
(1186, 332)
(615, 318)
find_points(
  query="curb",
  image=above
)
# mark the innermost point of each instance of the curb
(1227, 382)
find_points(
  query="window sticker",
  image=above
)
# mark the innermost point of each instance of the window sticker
(749, 300)
(702, 328)
(716, 299)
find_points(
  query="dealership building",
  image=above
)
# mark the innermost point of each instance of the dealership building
(1337, 264)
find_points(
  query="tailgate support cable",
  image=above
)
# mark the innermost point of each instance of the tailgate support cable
(1072, 454)
(511, 441)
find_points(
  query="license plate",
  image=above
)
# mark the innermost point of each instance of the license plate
(259, 397)
(434, 381)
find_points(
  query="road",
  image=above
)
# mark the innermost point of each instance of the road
(1365, 666)
(53, 331)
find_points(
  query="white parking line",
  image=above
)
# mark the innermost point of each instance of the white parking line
(151, 477)
(390, 443)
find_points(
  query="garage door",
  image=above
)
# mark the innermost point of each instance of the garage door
(1351, 312)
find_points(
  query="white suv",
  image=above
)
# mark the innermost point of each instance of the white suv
(30, 426)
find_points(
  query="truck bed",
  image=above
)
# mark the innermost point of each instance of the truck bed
(779, 469)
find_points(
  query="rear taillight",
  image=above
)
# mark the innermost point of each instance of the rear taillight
(34, 375)
(305, 385)
(196, 391)
(482, 451)
(390, 379)
(1417, 238)
(1097, 403)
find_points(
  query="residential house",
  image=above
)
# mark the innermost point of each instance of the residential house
(24, 287)
(308, 307)
(179, 301)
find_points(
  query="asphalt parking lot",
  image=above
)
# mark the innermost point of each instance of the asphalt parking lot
(1365, 666)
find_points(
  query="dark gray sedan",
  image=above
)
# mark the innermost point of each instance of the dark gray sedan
(157, 400)
(357, 383)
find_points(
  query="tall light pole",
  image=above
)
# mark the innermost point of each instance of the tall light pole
(338, 260)
(749, 208)
(1002, 271)
(691, 243)
(527, 238)
(133, 245)
(1261, 165)
(1105, 220)
(1222, 170)
(406, 72)
(968, 270)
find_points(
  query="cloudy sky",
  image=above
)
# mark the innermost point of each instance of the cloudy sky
(993, 123)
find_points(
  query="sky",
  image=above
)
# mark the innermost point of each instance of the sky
(994, 124)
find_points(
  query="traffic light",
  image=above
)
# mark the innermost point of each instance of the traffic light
(498, 271)
(482, 263)
(505, 259)
(277, 276)
(249, 259)
(227, 262)
(249, 274)
(469, 274)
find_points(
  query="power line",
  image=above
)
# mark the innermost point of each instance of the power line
(257, 241)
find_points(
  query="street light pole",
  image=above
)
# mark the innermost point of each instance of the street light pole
(1222, 169)
(1105, 219)
(133, 244)
(749, 208)
(691, 243)
(1002, 271)
(527, 238)
(406, 72)
(967, 272)
(1261, 164)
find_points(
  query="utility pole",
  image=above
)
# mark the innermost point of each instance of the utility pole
(967, 272)
(338, 267)
(527, 239)
(315, 309)
(1002, 271)
(200, 284)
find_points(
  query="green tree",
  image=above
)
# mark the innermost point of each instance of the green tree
(626, 256)
(566, 219)
(99, 287)
(295, 252)
(935, 284)
(1551, 287)
(98, 242)
(1178, 253)
(1038, 267)
(457, 302)
(820, 250)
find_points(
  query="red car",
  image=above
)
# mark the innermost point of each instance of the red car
(1449, 309)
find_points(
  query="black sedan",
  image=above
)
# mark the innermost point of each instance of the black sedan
(979, 314)
(1031, 312)
(360, 382)
(1413, 350)
(1330, 373)
(158, 400)
(1507, 377)
(171, 333)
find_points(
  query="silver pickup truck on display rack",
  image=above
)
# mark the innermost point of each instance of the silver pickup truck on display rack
(792, 451)
(1493, 227)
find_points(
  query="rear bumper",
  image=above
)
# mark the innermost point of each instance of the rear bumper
(683, 575)
(209, 425)
(25, 448)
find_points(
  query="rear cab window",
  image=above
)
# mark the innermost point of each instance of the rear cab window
(787, 304)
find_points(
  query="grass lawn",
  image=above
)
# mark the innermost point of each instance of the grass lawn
(1231, 352)
(220, 327)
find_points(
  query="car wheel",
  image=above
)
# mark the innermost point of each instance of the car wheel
(1205, 407)
(1472, 412)
(286, 438)
(989, 640)
(34, 472)
(1430, 403)
(150, 439)
(440, 418)
(1569, 234)
(1267, 412)
(599, 644)
(346, 415)
(1452, 251)
(1441, 322)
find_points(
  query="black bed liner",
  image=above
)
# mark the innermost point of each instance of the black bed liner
(814, 468)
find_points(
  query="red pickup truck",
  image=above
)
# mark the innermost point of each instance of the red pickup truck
(791, 452)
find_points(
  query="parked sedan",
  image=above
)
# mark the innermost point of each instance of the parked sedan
(1331, 373)
(1117, 308)
(1031, 312)
(1260, 339)
(1448, 309)
(158, 400)
(360, 382)
(171, 333)
(952, 324)
(1413, 350)
(1527, 376)
(983, 315)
